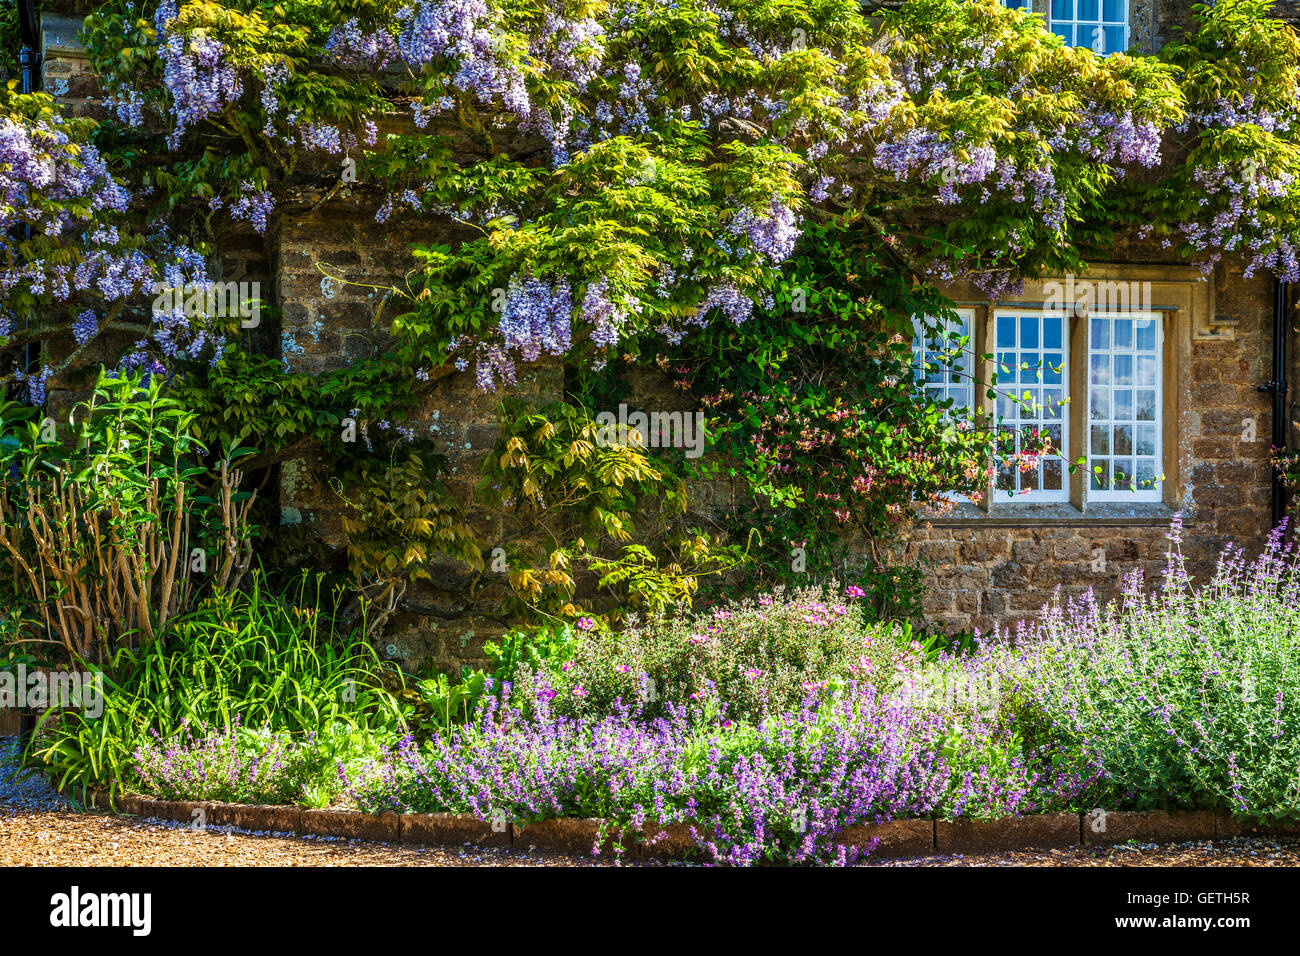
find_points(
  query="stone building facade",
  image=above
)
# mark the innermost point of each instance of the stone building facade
(1208, 434)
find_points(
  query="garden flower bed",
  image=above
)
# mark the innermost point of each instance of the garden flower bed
(1168, 715)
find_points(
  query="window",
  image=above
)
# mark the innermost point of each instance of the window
(1026, 5)
(1031, 383)
(1124, 407)
(1099, 24)
(943, 364)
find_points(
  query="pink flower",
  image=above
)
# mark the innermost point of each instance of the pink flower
(586, 624)
(579, 690)
(854, 591)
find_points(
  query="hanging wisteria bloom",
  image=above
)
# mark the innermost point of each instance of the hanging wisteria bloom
(195, 72)
(86, 327)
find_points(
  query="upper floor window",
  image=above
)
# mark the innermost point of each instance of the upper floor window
(1099, 24)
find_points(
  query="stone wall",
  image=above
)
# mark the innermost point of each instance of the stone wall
(982, 570)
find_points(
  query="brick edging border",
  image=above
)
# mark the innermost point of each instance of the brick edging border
(898, 838)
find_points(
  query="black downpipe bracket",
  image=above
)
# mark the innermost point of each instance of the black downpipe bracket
(29, 60)
(1278, 388)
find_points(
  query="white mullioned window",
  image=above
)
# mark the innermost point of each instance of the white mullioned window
(1026, 5)
(1032, 375)
(1125, 403)
(945, 359)
(1101, 25)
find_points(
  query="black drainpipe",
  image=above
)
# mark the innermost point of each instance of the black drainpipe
(29, 59)
(1278, 387)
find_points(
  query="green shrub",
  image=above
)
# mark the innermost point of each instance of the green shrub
(760, 656)
(1187, 698)
(252, 659)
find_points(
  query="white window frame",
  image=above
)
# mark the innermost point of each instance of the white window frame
(1001, 496)
(1127, 493)
(1100, 23)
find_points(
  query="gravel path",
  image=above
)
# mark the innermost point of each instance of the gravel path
(1235, 851)
(39, 828)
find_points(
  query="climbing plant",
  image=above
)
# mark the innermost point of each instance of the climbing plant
(630, 182)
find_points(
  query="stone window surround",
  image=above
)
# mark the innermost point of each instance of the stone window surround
(1186, 300)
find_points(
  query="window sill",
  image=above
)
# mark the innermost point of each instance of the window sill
(1008, 514)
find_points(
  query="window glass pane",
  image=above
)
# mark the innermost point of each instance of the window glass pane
(1006, 331)
(1029, 332)
(1062, 10)
(1099, 475)
(1052, 474)
(1114, 11)
(1123, 370)
(1146, 371)
(1122, 474)
(1146, 439)
(1052, 332)
(1146, 335)
(1085, 9)
(1065, 33)
(1114, 40)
